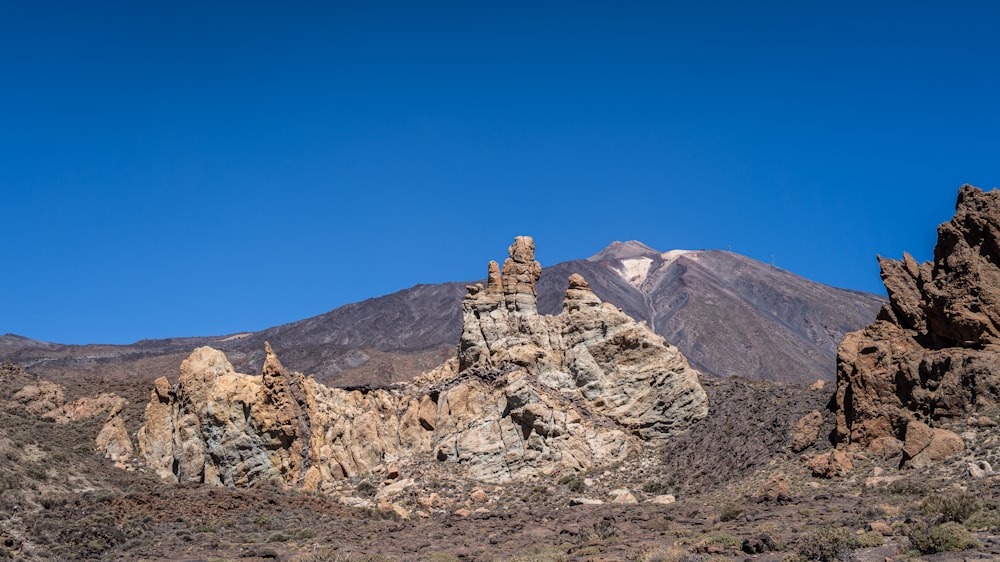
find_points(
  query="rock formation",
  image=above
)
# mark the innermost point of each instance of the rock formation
(527, 395)
(932, 355)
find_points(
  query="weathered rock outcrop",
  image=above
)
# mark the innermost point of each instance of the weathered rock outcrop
(933, 354)
(527, 395)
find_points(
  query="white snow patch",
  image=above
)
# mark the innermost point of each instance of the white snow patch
(634, 270)
(674, 254)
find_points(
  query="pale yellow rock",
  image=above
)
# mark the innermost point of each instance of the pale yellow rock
(113, 439)
(623, 496)
(478, 495)
(664, 499)
(351, 501)
(527, 396)
(395, 488)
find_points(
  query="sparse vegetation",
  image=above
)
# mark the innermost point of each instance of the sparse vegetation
(573, 482)
(730, 511)
(659, 486)
(987, 518)
(868, 540)
(910, 486)
(827, 544)
(946, 537)
(955, 506)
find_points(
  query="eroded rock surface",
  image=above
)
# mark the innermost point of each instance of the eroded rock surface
(527, 395)
(932, 355)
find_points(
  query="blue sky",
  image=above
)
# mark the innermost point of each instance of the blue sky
(201, 168)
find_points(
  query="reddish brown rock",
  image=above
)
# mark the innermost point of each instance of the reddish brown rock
(934, 351)
(807, 431)
(830, 464)
(776, 489)
(925, 445)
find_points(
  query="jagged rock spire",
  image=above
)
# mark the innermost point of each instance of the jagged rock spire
(932, 354)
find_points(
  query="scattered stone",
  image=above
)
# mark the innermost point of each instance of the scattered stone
(882, 528)
(401, 512)
(462, 512)
(830, 464)
(392, 472)
(759, 544)
(818, 385)
(478, 495)
(395, 488)
(585, 501)
(979, 469)
(664, 499)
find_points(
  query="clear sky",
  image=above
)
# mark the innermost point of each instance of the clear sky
(202, 168)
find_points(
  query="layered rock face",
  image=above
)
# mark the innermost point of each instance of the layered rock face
(528, 395)
(933, 353)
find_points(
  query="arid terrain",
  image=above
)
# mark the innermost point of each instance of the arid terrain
(552, 431)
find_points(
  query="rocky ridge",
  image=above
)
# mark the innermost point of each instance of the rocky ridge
(932, 356)
(528, 394)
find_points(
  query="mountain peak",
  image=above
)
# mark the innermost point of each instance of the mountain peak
(623, 250)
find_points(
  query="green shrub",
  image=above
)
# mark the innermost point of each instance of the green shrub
(262, 521)
(49, 502)
(827, 544)
(367, 489)
(947, 537)
(659, 487)
(956, 506)
(870, 539)
(908, 487)
(986, 518)
(305, 534)
(729, 512)
(573, 482)
(724, 540)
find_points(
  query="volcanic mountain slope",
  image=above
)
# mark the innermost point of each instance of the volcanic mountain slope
(729, 314)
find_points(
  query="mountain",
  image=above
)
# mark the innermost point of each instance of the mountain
(728, 314)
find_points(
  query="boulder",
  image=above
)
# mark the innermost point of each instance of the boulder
(623, 496)
(114, 439)
(979, 469)
(925, 445)
(807, 431)
(830, 464)
(663, 499)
